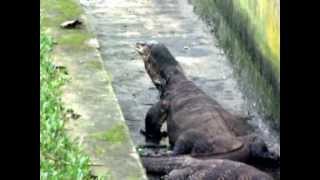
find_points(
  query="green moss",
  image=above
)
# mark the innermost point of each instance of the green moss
(241, 41)
(116, 134)
(61, 8)
(99, 151)
(265, 21)
(94, 64)
(55, 12)
(256, 22)
(134, 178)
(73, 38)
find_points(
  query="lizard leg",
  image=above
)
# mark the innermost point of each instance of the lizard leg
(154, 120)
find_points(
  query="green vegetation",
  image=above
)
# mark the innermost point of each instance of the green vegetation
(265, 24)
(74, 38)
(94, 64)
(59, 11)
(60, 158)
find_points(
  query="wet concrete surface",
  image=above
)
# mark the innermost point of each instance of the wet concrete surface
(120, 24)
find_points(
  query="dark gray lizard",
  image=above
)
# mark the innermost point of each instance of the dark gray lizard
(196, 124)
(188, 168)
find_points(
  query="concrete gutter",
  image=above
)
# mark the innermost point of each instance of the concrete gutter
(100, 128)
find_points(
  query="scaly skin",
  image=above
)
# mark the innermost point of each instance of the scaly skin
(188, 168)
(196, 124)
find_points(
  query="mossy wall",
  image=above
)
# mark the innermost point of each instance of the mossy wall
(264, 17)
(249, 31)
(258, 24)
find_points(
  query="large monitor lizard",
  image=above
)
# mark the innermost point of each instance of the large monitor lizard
(196, 124)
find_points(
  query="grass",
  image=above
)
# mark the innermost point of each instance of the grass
(60, 158)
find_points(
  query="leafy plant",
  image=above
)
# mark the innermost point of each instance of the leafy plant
(60, 158)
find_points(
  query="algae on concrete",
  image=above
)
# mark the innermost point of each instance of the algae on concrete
(115, 134)
(73, 38)
(255, 54)
(94, 64)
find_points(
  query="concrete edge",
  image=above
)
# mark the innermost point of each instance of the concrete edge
(75, 91)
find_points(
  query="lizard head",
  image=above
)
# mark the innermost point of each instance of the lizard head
(156, 58)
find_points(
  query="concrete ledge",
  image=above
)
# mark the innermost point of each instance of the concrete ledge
(101, 128)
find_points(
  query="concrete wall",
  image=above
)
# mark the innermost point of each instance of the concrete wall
(258, 23)
(263, 24)
(264, 17)
(249, 30)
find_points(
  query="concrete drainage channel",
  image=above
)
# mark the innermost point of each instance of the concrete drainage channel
(120, 24)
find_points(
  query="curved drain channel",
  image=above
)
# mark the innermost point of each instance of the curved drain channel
(120, 24)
